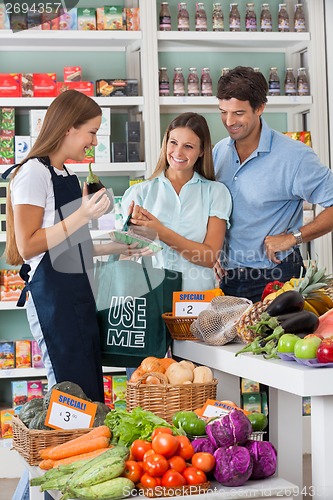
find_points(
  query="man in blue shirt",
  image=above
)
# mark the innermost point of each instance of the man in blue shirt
(269, 176)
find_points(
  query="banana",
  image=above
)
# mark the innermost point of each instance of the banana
(310, 307)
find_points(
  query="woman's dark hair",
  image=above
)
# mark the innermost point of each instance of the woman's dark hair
(244, 84)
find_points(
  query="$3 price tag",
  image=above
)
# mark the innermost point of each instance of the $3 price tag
(68, 412)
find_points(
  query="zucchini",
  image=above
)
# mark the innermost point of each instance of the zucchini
(287, 302)
(119, 487)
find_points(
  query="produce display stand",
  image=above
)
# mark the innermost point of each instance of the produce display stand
(288, 381)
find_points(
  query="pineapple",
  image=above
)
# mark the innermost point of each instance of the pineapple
(315, 288)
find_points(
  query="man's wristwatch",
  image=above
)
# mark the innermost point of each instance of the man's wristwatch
(298, 236)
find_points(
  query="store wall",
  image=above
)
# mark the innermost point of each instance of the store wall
(329, 52)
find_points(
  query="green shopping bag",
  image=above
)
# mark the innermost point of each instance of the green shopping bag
(131, 298)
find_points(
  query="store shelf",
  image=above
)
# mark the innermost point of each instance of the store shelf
(44, 102)
(41, 372)
(74, 40)
(166, 102)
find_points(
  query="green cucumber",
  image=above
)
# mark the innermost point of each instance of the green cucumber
(119, 487)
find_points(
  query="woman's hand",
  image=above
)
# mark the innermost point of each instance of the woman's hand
(94, 206)
(145, 223)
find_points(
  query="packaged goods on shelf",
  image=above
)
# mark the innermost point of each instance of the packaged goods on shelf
(119, 152)
(22, 147)
(113, 17)
(34, 20)
(100, 18)
(3, 201)
(72, 74)
(105, 128)
(303, 136)
(86, 19)
(107, 381)
(36, 355)
(44, 84)
(10, 85)
(22, 354)
(252, 402)
(19, 394)
(10, 293)
(35, 389)
(2, 223)
(102, 150)
(250, 386)
(118, 387)
(68, 20)
(18, 22)
(27, 85)
(10, 277)
(132, 18)
(6, 150)
(7, 122)
(133, 131)
(116, 87)
(7, 354)
(4, 19)
(6, 417)
(36, 118)
(84, 87)
(133, 151)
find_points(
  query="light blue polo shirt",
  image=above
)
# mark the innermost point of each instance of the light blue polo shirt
(186, 214)
(267, 192)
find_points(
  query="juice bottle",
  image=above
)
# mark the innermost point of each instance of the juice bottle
(290, 82)
(283, 18)
(200, 17)
(183, 17)
(302, 82)
(218, 19)
(165, 17)
(299, 18)
(265, 18)
(178, 82)
(250, 18)
(164, 84)
(273, 82)
(193, 82)
(206, 83)
(234, 17)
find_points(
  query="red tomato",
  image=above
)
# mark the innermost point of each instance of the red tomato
(325, 351)
(203, 460)
(133, 471)
(177, 463)
(149, 452)
(150, 482)
(194, 475)
(173, 478)
(155, 465)
(158, 430)
(185, 450)
(139, 448)
(165, 444)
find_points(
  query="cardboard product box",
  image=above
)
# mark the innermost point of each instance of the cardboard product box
(86, 19)
(7, 355)
(306, 406)
(133, 131)
(4, 18)
(50, 20)
(19, 21)
(118, 388)
(252, 402)
(84, 87)
(19, 392)
(68, 20)
(36, 355)
(10, 85)
(36, 118)
(6, 417)
(34, 20)
(2, 225)
(45, 387)
(72, 74)
(105, 128)
(22, 147)
(44, 84)
(7, 122)
(35, 389)
(113, 17)
(107, 381)
(116, 87)
(120, 404)
(250, 386)
(102, 150)
(7, 154)
(100, 18)
(132, 19)
(27, 85)
(133, 151)
(22, 354)
(10, 293)
(10, 277)
(119, 152)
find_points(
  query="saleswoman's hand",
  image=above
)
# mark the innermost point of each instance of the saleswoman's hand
(94, 206)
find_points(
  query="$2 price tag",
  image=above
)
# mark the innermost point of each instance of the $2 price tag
(68, 412)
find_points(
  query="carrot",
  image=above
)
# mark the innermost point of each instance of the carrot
(82, 456)
(46, 464)
(72, 449)
(102, 430)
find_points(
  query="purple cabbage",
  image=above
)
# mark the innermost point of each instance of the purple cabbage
(233, 428)
(203, 444)
(263, 455)
(233, 465)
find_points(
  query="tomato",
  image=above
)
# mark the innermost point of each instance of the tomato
(173, 478)
(133, 471)
(155, 465)
(325, 351)
(307, 348)
(149, 452)
(203, 460)
(139, 448)
(158, 430)
(185, 450)
(165, 444)
(287, 342)
(177, 463)
(149, 481)
(193, 475)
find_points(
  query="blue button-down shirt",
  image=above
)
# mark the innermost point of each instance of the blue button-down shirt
(186, 214)
(267, 191)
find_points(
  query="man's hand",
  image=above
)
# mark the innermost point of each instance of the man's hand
(278, 243)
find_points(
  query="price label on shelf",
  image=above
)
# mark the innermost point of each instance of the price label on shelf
(192, 303)
(68, 412)
(189, 308)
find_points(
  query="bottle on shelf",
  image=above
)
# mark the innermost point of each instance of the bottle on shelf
(218, 18)
(200, 17)
(273, 82)
(234, 17)
(164, 84)
(225, 71)
(206, 83)
(165, 17)
(250, 18)
(290, 82)
(183, 17)
(299, 18)
(265, 18)
(283, 18)
(178, 83)
(303, 87)
(193, 83)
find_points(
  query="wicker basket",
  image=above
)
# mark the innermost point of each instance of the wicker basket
(164, 399)
(29, 442)
(179, 328)
(174, 491)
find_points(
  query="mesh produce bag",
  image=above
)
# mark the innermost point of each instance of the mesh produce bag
(217, 324)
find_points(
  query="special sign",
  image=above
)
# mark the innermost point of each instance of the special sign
(68, 412)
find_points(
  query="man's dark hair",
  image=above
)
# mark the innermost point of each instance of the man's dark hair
(244, 84)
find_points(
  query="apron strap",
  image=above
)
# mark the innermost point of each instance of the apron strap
(24, 274)
(8, 171)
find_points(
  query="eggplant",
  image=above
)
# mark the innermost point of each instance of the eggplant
(302, 322)
(287, 302)
(94, 185)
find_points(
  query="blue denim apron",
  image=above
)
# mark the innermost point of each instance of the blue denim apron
(64, 300)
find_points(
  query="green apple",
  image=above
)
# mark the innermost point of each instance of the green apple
(307, 348)
(287, 342)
